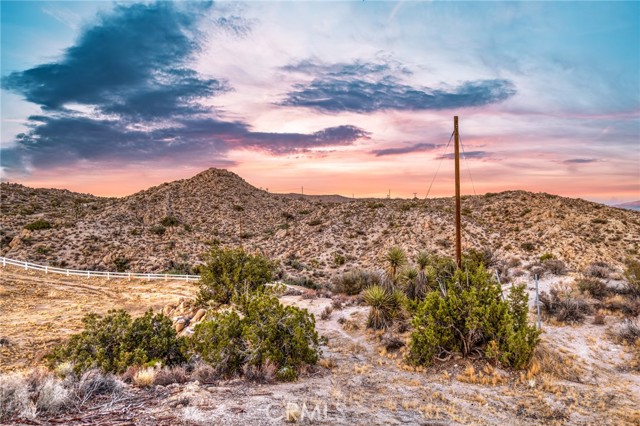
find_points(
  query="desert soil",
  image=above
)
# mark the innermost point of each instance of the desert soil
(358, 382)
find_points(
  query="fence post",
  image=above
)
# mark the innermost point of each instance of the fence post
(129, 276)
(166, 277)
(4, 262)
(88, 274)
(108, 277)
(187, 278)
(67, 272)
(26, 266)
(537, 301)
(148, 277)
(46, 269)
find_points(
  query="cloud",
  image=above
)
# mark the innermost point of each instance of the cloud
(469, 155)
(367, 87)
(126, 91)
(580, 160)
(419, 147)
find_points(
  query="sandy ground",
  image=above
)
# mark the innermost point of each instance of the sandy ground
(38, 310)
(359, 382)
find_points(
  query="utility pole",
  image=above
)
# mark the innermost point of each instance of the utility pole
(389, 195)
(458, 220)
(302, 191)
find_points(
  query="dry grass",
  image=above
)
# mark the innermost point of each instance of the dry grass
(145, 377)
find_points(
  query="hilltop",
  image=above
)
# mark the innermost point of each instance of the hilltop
(168, 226)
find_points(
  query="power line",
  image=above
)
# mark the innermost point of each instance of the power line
(440, 164)
(468, 169)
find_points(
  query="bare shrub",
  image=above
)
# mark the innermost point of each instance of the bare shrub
(204, 373)
(629, 307)
(94, 383)
(555, 266)
(548, 360)
(14, 397)
(598, 270)
(565, 306)
(630, 331)
(264, 373)
(593, 287)
(168, 375)
(326, 313)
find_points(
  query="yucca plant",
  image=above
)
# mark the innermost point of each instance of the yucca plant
(385, 305)
(422, 259)
(396, 257)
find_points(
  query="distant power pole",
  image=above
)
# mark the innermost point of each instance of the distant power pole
(415, 195)
(389, 195)
(457, 175)
(302, 191)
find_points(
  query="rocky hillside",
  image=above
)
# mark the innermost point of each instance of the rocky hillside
(169, 226)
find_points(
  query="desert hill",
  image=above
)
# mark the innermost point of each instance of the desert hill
(167, 227)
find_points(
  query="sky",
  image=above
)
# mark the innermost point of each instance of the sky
(353, 98)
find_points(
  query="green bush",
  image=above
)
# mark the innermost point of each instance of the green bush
(158, 230)
(268, 333)
(115, 342)
(38, 225)
(546, 256)
(229, 273)
(169, 221)
(354, 281)
(467, 315)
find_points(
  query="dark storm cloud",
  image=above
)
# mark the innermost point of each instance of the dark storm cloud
(470, 155)
(354, 94)
(419, 147)
(131, 72)
(128, 60)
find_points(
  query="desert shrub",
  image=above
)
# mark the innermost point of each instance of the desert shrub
(268, 333)
(629, 331)
(302, 281)
(555, 266)
(593, 287)
(169, 221)
(228, 273)
(473, 258)
(157, 230)
(121, 264)
(468, 315)
(354, 281)
(326, 313)
(597, 270)
(339, 259)
(546, 256)
(632, 275)
(40, 393)
(314, 222)
(115, 342)
(564, 306)
(628, 306)
(527, 246)
(168, 375)
(385, 306)
(38, 225)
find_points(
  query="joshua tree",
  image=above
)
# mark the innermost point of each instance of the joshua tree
(396, 258)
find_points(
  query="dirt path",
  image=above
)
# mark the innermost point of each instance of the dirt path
(38, 310)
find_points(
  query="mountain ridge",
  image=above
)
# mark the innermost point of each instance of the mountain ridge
(168, 226)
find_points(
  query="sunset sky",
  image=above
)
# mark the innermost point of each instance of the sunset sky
(338, 97)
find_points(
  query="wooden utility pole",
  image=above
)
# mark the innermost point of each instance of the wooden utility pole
(458, 220)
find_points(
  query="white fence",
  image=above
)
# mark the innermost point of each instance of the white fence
(101, 274)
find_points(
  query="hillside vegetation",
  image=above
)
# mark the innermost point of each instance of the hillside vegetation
(165, 228)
